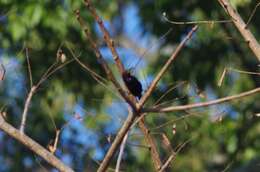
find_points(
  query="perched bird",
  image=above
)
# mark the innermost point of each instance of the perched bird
(132, 83)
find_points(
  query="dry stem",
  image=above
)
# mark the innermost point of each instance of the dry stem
(26, 107)
(242, 27)
(203, 104)
(165, 68)
(34, 146)
(116, 143)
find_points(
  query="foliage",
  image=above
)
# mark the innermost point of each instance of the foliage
(220, 136)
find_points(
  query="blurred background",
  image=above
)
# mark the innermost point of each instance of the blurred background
(220, 138)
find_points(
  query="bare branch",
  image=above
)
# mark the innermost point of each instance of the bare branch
(222, 77)
(121, 151)
(169, 90)
(203, 104)
(242, 27)
(2, 72)
(165, 68)
(34, 146)
(29, 66)
(116, 143)
(53, 147)
(234, 70)
(44, 76)
(103, 63)
(26, 107)
(33, 89)
(107, 38)
(154, 153)
(244, 72)
(252, 14)
(173, 156)
(197, 22)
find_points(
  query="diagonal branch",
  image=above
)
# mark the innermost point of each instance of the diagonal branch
(197, 22)
(26, 107)
(34, 146)
(165, 68)
(242, 27)
(149, 139)
(103, 63)
(202, 104)
(51, 70)
(173, 156)
(120, 155)
(116, 143)
(110, 43)
(29, 66)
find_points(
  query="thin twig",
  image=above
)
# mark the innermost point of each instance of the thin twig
(252, 14)
(43, 78)
(29, 67)
(149, 139)
(26, 107)
(34, 146)
(171, 101)
(197, 22)
(56, 69)
(103, 63)
(244, 72)
(173, 121)
(29, 97)
(173, 156)
(151, 47)
(121, 151)
(101, 80)
(222, 77)
(110, 43)
(165, 68)
(2, 72)
(169, 90)
(51, 70)
(53, 147)
(234, 70)
(241, 26)
(228, 166)
(116, 143)
(97, 77)
(203, 104)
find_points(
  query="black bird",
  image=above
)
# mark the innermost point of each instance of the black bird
(132, 83)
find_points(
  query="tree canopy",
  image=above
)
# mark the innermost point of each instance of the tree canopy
(88, 111)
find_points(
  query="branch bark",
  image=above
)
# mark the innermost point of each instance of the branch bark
(108, 40)
(242, 27)
(129, 98)
(34, 146)
(116, 143)
(202, 104)
(149, 139)
(26, 107)
(165, 68)
(103, 63)
(120, 156)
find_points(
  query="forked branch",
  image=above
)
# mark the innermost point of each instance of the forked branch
(242, 27)
(108, 40)
(34, 146)
(202, 104)
(165, 68)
